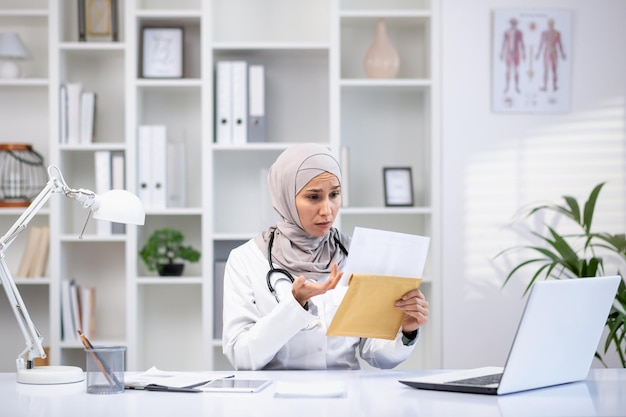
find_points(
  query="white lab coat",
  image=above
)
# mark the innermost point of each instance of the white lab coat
(261, 333)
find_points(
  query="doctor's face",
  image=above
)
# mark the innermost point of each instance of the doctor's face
(318, 204)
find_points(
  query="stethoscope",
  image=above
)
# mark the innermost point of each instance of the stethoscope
(283, 273)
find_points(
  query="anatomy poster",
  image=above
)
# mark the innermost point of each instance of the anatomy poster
(532, 53)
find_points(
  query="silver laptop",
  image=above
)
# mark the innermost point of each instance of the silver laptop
(555, 342)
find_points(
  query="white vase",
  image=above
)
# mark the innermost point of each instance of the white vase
(382, 59)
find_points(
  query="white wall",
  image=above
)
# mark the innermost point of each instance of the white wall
(495, 163)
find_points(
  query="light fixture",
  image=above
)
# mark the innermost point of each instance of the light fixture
(119, 206)
(11, 49)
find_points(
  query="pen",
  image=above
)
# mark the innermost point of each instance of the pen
(157, 387)
(111, 378)
(199, 384)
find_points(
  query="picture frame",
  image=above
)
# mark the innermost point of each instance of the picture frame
(398, 183)
(162, 52)
(98, 20)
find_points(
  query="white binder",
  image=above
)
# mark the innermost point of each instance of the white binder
(240, 102)
(256, 97)
(144, 156)
(158, 171)
(223, 102)
(102, 164)
(73, 113)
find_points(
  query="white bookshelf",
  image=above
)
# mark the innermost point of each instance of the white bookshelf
(316, 91)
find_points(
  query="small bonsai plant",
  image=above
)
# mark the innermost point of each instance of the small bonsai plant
(164, 250)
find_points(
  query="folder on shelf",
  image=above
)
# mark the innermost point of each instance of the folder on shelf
(63, 114)
(223, 105)
(88, 310)
(73, 112)
(218, 298)
(368, 307)
(256, 105)
(87, 116)
(176, 175)
(102, 166)
(118, 182)
(240, 102)
(152, 166)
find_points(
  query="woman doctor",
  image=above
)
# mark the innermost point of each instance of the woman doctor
(272, 323)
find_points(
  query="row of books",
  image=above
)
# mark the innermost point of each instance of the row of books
(239, 103)
(161, 169)
(35, 256)
(110, 174)
(78, 310)
(77, 114)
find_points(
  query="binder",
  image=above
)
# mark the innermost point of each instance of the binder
(256, 105)
(73, 113)
(240, 102)
(144, 155)
(118, 182)
(176, 175)
(158, 169)
(223, 105)
(102, 165)
(87, 116)
(63, 114)
(152, 166)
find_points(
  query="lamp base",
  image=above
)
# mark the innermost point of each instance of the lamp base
(48, 375)
(9, 69)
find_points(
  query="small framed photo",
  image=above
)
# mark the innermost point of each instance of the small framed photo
(398, 186)
(98, 20)
(162, 52)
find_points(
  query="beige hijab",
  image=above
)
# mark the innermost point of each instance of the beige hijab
(293, 248)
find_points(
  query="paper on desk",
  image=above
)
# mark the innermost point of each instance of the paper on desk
(310, 389)
(171, 379)
(380, 252)
(382, 267)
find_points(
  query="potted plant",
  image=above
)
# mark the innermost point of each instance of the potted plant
(164, 251)
(577, 255)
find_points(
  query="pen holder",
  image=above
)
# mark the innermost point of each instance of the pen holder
(105, 369)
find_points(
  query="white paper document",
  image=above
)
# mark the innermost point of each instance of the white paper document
(380, 252)
(155, 376)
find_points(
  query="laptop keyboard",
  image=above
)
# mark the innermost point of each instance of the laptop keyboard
(479, 380)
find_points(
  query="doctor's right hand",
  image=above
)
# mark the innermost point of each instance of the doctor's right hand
(303, 290)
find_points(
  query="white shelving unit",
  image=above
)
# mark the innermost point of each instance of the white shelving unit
(316, 91)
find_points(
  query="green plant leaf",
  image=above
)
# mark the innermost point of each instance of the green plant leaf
(590, 207)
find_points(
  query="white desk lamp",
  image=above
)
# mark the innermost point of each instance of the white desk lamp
(11, 49)
(116, 205)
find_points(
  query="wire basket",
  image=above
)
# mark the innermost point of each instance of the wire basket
(22, 174)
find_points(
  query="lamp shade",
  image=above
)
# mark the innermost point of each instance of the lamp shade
(11, 46)
(119, 206)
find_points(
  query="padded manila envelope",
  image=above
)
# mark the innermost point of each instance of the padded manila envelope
(368, 308)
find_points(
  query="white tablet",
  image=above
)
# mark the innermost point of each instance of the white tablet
(236, 385)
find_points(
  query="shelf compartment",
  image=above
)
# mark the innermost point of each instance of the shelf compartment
(410, 35)
(175, 311)
(84, 261)
(296, 91)
(190, 226)
(385, 128)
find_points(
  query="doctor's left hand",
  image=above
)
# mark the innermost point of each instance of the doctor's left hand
(302, 289)
(415, 308)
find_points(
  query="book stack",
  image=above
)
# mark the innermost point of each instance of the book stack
(240, 103)
(35, 255)
(78, 310)
(77, 114)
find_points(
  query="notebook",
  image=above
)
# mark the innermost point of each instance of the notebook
(555, 342)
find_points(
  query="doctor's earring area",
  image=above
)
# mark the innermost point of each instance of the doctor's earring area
(165, 251)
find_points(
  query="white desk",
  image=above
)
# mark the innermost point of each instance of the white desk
(369, 393)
